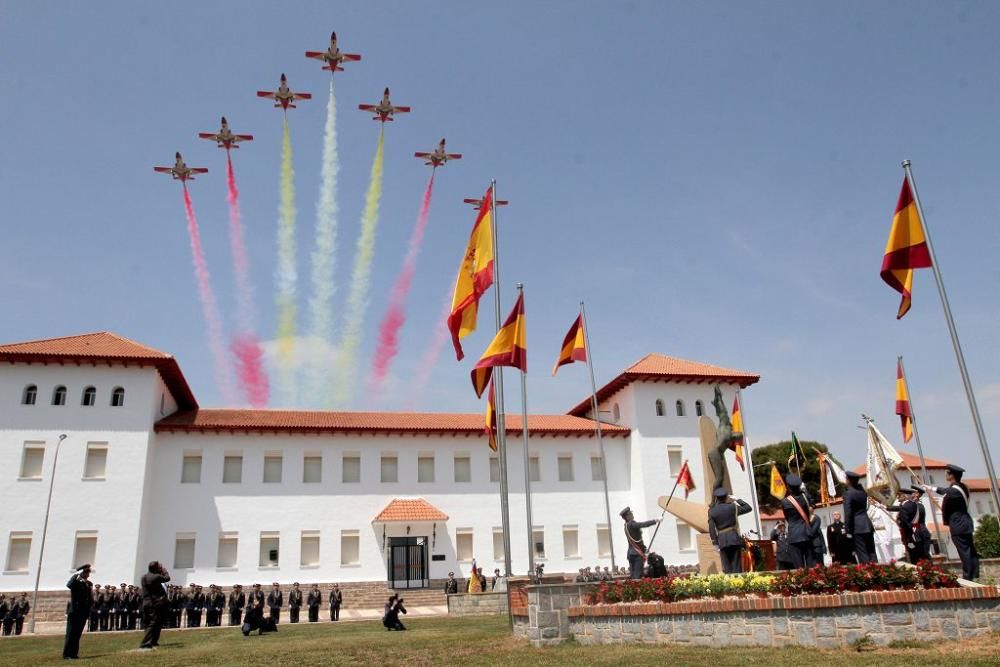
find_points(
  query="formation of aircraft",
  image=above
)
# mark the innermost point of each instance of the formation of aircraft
(283, 97)
(333, 57)
(180, 171)
(224, 138)
(438, 157)
(384, 110)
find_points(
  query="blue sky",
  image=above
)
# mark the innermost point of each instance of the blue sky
(716, 180)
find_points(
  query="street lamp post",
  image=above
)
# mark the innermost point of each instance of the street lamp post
(45, 528)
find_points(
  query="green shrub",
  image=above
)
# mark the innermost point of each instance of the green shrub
(987, 537)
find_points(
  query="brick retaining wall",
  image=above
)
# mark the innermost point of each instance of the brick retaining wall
(477, 604)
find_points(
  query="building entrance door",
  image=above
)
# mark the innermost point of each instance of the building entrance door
(408, 562)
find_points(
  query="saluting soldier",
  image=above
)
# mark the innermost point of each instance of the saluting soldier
(797, 515)
(636, 548)
(911, 519)
(955, 513)
(237, 600)
(859, 526)
(275, 600)
(724, 529)
(21, 609)
(77, 611)
(314, 601)
(294, 603)
(336, 599)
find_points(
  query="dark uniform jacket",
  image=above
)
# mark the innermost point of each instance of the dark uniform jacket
(911, 519)
(80, 598)
(237, 601)
(798, 528)
(336, 598)
(451, 586)
(315, 598)
(218, 601)
(196, 601)
(724, 525)
(275, 599)
(955, 508)
(295, 599)
(856, 519)
(633, 529)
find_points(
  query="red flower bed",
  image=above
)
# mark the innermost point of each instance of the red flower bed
(821, 580)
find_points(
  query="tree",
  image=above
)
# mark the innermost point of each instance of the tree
(779, 452)
(987, 537)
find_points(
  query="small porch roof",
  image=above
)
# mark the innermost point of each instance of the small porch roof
(411, 510)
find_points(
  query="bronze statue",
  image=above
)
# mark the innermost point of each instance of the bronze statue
(725, 438)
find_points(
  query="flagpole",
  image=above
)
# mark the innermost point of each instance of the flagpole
(920, 453)
(501, 414)
(527, 459)
(665, 506)
(597, 425)
(969, 394)
(750, 474)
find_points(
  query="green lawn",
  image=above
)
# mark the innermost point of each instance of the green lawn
(451, 641)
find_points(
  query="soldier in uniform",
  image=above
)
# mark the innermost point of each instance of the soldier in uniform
(955, 513)
(254, 618)
(94, 616)
(781, 550)
(178, 605)
(217, 603)
(120, 618)
(451, 585)
(797, 515)
(336, 598)
(155, 604)
(314, 601)
(80, 599)
(911, 519)
(818, 543)
(294, 603)
(636, 548)
(7, 614)
(836, 539)
(135, 618)
(275, 600)
(724, 529)
(193, 607)
(104, 602)
(21, 609)
(859, 526)
(237, 600)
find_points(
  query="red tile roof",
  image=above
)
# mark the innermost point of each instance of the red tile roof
(981, 484)
(911, 460)
(659, 367)
(102, 347)
(315, 421)
(410, 509)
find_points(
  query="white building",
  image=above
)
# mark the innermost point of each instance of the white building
(236, 496)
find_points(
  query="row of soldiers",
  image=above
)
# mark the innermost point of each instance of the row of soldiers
(189, 608)
(13, 611)
(115, 608)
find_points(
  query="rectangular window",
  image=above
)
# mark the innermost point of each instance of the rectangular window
(272, 468)
(269, 543)
(191, 469)
(463, 544)
(184, 551)
(675, 459)
(596, 469)
(232, 469)
(565, 468)
(390, 469)
(349, 551)
(498, 544)
(352, 469)
(535, 469)
(18, 552)
(425, 469)
(603, 541)
(85, 549)
(571, 542)
(31, 460)
(312, 469)
(310, 548)
(538, 540)
(495, 469)
(228, 548)
(683, 537)
(979, 507)
(463, 469)
(96, 463)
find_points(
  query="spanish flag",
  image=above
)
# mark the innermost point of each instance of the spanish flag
(737, 421)
(685, 479)
(903, 404)
(491, 417)
(906, 250)
(574, 347)
(475, 276)
(778, 488)
(509, 348)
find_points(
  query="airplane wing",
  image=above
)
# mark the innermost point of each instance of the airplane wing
(422, 156)
(198, 170)
(401, 109)
(367, 107)
(265, 93)
(243, 137)
(318, 55)
(163, 170)
(454, 156)
(350, 56)
(303, 96)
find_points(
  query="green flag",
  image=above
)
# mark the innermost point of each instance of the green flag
(798, 456)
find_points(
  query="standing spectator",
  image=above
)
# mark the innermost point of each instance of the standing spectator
(781, 549)
(955, 513)
(336, 599)
(496, 575)
(314, 601)
(841, 552)
(80, 601)
(860, 530)
(294, 603)
(797, 515)
(21, 609)
(155, 604)
(237, 600)
(275, 600)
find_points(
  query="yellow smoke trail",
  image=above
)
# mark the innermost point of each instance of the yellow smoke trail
(357, 299)
(286, 274)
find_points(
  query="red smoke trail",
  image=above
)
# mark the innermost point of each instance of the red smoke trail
(442, 336)
(245, 346)
(209, 306)
(395, 314)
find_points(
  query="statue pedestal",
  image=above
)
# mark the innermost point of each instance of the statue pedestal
(708, 558)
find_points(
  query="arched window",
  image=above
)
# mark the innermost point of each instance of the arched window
(680, 408)
(659, 408)
(30, 394)
(616, 413)
(117, 397)
(89, 397)
(699, 409)
(59, 395)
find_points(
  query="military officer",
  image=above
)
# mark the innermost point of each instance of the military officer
(294, 603)
(78, 610)
(955, 513)
(237, 600)
(178, 605)
(314, 601)
(21, 609)
(836, 539)
(912, 522)
(335, 598)
(275, 600)
(451, 585)
(724, 529)
(94, 625)
(797, 515)
(193, 607)
(636, 548)
(859, 526)
(105, 601)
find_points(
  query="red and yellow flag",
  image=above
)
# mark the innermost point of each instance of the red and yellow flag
(778, 488)
(906, 249)
(903, 404)
(474, 276)
(574, 347)
(491, 417)
(737, 421)
(509, 348)
(685, 479)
